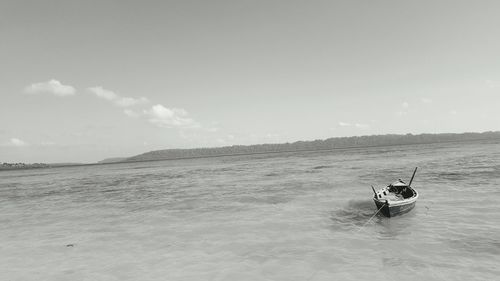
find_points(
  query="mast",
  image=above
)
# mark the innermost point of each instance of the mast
(412, 176)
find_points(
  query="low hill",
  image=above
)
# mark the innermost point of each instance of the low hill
(112, 160)
(327, 144)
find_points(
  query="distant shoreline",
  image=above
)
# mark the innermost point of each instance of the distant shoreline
(289, 151)
(268, 149)
(307, 146)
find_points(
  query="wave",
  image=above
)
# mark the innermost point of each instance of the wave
(355, 214)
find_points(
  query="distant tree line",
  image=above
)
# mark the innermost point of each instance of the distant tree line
(327, 144)
(12, 166)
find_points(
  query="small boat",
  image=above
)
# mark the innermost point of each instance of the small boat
(397, 198)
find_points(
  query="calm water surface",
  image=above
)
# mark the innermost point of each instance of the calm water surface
(295, 216)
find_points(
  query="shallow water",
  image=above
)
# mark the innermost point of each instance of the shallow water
(294, 216)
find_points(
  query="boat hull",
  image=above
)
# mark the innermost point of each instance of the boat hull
(389, 210)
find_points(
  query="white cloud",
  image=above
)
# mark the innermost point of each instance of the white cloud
(357, 125)
(15, 142)
(361, 126)
(51, 87)
(103, 93)
(405, 105)
(164, 117)
(158, 114)
(426, 100)
(116, 99)
(126, 101)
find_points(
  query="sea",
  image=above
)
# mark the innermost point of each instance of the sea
(284, 216)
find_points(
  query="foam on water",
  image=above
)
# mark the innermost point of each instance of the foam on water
(293, 216)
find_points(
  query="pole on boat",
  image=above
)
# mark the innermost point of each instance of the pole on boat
(374, 190)
(412, 176)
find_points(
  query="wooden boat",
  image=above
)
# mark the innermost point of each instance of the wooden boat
(397, 198)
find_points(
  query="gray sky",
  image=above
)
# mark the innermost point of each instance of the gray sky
(81, 81)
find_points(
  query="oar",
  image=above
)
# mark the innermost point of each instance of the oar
(374, 191)
(412, 176)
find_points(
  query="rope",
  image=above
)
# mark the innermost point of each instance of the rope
(371, 218)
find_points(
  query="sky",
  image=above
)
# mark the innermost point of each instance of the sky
(81, 81)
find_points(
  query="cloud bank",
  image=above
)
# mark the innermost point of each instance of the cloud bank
(164, 117)
(357, 125)
(14, 142)
(157, 115)
(116, 99)
(52, 86)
